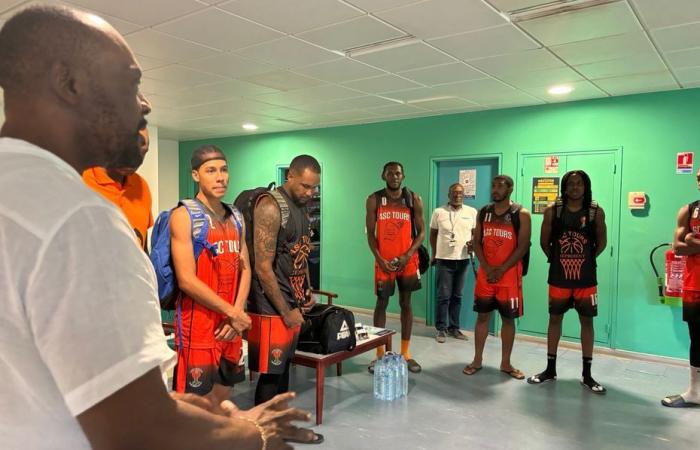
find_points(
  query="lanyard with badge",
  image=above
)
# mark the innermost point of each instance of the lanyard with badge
(452, 242)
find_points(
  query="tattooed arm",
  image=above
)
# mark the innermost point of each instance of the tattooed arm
(266, 217)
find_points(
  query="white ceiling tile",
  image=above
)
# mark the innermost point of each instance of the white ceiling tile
(438, 104)
(150, 86)
(370, 101)
(657, 14)
(483, 92)
(518, 62)
(631, 65)
(582, 90)
(282, 80)
(166, 48)
(354, 114)
(308, 95)
(148, 63)
(409, 95)
(6, 5)
(380, 5)
(357, 32)
(446, 73)
(683, 58)
(230, 65)
(292, 16)
(234, 107)
(406, 57)
(219, 29)
(396, 109)
(494, 41)
(688, 75)
(146, 13)
(540, 78)
(339, 70)
(515, 5)
(434, 18)
(183, 76)
(288, 53)
(123, 26)
(584, 24)
(678, 38)
(638, 83)
(384, 83)
(602, 49)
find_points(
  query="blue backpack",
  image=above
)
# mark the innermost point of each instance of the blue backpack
(161, 259)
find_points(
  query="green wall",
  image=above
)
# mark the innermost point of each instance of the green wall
(650, 128)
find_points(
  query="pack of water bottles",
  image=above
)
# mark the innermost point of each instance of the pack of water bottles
(390, 377)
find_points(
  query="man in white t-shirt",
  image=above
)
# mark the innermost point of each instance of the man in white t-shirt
(451, 228)
(82, 352)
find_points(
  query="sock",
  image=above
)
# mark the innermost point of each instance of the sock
(587, 368)
(693, 393)
(380, 352)
(404, 349)
(551, 364)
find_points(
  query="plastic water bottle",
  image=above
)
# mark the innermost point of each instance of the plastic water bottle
(404, 375)
(393, 380)
(378, 386)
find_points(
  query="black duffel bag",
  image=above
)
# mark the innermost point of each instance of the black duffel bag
(327, 329)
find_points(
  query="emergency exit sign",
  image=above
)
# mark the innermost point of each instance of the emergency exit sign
(684, 162)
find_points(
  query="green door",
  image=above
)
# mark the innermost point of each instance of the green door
(601, 166)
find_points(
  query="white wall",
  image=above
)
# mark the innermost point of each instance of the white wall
(160, 170)
(168, 167)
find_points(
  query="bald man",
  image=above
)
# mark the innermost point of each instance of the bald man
(83, 353)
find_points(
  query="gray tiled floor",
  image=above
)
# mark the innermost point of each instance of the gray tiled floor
(448, 410)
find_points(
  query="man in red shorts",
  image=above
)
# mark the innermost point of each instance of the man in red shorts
(389, 217)
(686, 241)
(573, 235)
(210, 313)
(501, 240)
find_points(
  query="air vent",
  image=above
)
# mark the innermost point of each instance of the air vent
(554, 8)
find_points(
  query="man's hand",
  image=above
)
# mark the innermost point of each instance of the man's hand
(385, 265)
(403, 260)
(293, 318)
(239, 321)
(225, 332)
(495, 274)
(275, 417)
(310, 301)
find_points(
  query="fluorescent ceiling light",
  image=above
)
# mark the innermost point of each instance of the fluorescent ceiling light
(551, 8)
(250, 126)
(381, 46)
(561, 89)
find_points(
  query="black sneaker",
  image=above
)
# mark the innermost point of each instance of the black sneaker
(457, 335)
(441, 337)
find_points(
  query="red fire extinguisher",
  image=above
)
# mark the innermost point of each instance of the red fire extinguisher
(671, 284)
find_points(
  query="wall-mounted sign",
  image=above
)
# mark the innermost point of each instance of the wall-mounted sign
(467, 178)
(551, 164)
(544, 191)
(636, 200)
(684, 162)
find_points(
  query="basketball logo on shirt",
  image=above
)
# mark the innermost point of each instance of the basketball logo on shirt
(276, 355)
(572, 255)
(195, 375)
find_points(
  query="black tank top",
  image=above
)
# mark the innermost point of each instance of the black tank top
(291, 260)
(572, 249)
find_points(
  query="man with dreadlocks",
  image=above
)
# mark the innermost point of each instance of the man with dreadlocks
(573, 235)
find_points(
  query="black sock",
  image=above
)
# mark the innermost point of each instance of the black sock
(587, 368)
(551, 364)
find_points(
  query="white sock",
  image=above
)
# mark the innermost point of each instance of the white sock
(692, 395)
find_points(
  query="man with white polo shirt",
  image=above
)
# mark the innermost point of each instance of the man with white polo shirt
(451, 228)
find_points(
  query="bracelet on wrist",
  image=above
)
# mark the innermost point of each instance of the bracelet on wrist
(261, 430)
